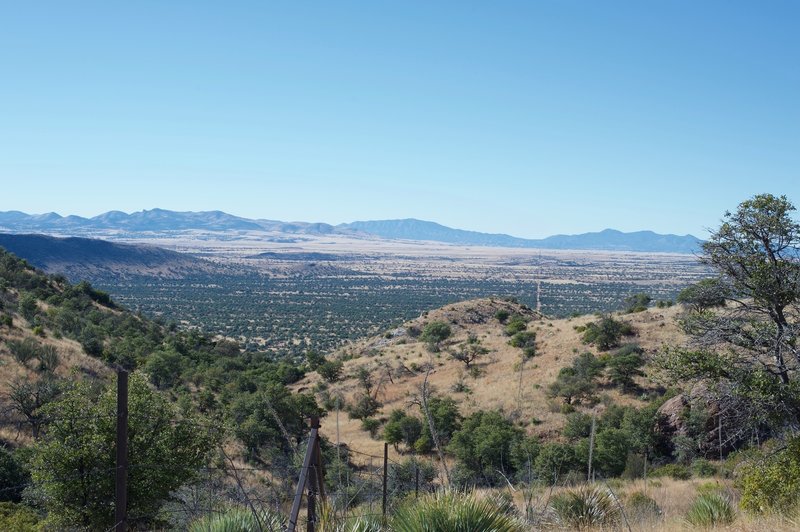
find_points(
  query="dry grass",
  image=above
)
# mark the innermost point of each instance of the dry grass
(398, 367)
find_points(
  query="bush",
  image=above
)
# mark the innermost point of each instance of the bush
(771, 484)
(516, 324)
(371, 425)
(709, 510)
(606, 333)
(636, 303)
(330, 370)
(640, 507)
(13, 476)
(703, 468)
(675, 471)
(435, 332)
(448, 511)
(18, 518)
(501, 315)
(403, 476)
(554, 461)
(586, 507)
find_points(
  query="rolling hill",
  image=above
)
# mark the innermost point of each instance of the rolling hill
(79, 258)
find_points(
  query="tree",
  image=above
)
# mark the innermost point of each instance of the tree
(435, 333)
(705, 294)
(331, 370)
(606, 333)
(636, 303)
(72, 466)
(625, 365)
(577, 382)
(469, 352)
(483, 444)
(757, 251)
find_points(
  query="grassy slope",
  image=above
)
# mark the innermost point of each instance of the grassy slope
(398, 365)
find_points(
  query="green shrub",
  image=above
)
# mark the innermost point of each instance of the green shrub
(772, 484)
(18, 518)
(606, 333)
(13, 476)
(709, 510)
(640, 507)
(586, 507)
(703, 468)
(330, 370)
(371, 425)
(675, 471)
(449, 511)
(516, 324)
(435, 332)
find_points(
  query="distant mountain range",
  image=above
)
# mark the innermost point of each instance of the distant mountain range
(116, 223)
(80, 258)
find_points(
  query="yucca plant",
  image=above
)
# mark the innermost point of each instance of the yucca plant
(709, 510)
(586, 507)
(450, 511)
(329, 521)
(240, 520)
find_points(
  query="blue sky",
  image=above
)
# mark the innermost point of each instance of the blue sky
(529, 118)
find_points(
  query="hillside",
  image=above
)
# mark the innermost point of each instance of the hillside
(398, 362)
(80, 258)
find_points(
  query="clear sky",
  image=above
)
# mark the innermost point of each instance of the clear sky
(529, 118)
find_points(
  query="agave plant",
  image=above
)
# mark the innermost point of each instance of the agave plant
(450, 511)
(329, 521)
(586, 507)
(240, 520)
(711, 509)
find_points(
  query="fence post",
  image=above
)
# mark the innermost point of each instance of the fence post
(416, 481)
(121, 472)
(313, 477)
(304, 477)
(385, 471)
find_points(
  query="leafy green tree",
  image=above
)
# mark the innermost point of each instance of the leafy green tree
(331, 370)
(28, 308)
(577, 382)
(402, 428)
(483, 444)
(705, 294)
(625, 365)
(525, 340)
(606, 333)
(446, 419)
(554, 461)
(164, 368)
(516, 324)
(749, 349)
(72, 466)
(435, 333)
(13, 476)
(636, 303)
(314, 359)
(469, 352)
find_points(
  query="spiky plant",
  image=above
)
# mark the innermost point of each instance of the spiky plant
(709, 510)
(586, 507)
(240, 520)
(329, 521)
(450, 511)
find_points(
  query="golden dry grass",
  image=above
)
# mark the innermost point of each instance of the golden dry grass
(398, 367)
